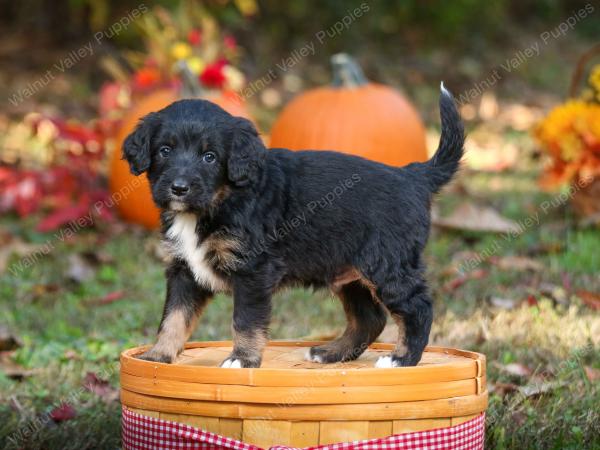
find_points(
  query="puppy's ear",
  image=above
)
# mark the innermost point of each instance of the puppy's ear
(136, 148)
(246, 154)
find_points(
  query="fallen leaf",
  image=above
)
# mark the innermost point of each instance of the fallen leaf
(15, 247)
(516, 369)
(108, 298)
(15, 404)
(592, 373)
(591, 299)
(504, 303)
(519, 417)
(98, 257)
(503, 389)
(471, 217)
(541, 388)
(79, 269)
(71, 355)
(555, 292)
(8, 341)
(100, 387)
(63, 412)
(518, 263)
(11, 369)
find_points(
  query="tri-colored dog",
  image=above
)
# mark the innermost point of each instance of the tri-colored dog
(239, 218)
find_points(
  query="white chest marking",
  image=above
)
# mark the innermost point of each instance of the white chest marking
(185, 245)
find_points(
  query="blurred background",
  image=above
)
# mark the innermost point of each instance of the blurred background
(514, 255)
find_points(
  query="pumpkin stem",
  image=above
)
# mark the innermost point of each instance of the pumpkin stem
(346, 72)
(190, 86)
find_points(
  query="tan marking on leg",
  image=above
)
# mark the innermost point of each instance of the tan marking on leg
(174, 333)
(346, 276)
(401, 349)
(350, 274)
(349, 343)
(250, 344)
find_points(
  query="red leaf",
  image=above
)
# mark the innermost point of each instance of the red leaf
(531, 300)
(21, 191)
(592, 374)
(63, 412)
(108, 298)
(591, 299)
(61, 217)
(100, 387)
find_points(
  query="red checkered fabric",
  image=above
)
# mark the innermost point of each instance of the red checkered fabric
(143, 433)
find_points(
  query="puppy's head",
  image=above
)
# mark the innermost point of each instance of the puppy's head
(193, 152)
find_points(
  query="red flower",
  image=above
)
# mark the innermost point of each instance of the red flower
(146, 77)
(213, 75)
(229, 42)
(195, 36)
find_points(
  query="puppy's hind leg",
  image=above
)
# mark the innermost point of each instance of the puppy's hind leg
(184, 303)
(366, 320)
(411, 307)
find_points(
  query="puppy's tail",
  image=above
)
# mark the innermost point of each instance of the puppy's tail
(446, 160)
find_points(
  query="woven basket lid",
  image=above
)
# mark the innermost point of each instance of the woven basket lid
(285, 375)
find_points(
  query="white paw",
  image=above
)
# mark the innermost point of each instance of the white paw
(385, 362)
(231, 364)
(313, 358)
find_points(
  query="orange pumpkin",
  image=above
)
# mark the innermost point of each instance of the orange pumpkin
(353, 116)
(132, 194)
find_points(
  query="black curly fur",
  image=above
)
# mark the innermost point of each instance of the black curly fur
(310, 218)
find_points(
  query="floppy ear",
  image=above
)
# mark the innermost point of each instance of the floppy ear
(246, 154)
(136, 148)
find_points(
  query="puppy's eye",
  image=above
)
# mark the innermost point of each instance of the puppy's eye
(209, 157)
(164, 151)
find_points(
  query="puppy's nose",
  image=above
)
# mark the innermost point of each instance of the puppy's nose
(180, 187)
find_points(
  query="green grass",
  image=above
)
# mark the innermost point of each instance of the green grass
(66, 335)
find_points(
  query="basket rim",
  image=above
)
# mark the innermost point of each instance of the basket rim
(471, 367)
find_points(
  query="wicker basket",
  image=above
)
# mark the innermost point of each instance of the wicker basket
(289, 401)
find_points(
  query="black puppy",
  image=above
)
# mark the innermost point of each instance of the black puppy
(239, 218)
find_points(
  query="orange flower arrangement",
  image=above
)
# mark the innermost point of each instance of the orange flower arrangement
(571, 135)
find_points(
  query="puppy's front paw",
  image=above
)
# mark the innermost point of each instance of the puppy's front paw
(309, 356)
(386, 362)
(239, 363)
(152, 355)
(390, 361)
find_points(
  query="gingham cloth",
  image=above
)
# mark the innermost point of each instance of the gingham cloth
(142, 433)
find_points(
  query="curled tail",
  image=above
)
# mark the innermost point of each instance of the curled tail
(446, 160)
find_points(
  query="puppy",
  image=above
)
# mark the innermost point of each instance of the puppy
(242, 219)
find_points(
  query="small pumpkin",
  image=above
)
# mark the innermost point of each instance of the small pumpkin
(132, 194)
(354, 116)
